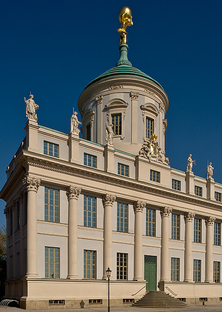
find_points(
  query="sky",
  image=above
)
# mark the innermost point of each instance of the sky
(54, 48)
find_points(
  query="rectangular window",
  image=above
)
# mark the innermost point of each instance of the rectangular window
(122, 217)
(90, 160)
(218, 196)
(197, 230)
(52, 262)
(175, 269)
(88, 132)
(150, 222)
(216, 272)
(154, 176)
(51, 205)
(51, 149)
(123, 170)
(149, 127)
(117, 124)
(175, 231)
(176, 185)
(217, 227)
(89, 211)
(198, 191)
(197, 271)
(90, 264)
(122, 266)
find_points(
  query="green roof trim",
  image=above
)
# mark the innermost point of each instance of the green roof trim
(52, 130)
(81, 139)
(116, 150)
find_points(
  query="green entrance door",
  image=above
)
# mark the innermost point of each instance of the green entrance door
(150, 272)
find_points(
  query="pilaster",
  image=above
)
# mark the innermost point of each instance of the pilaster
(100, 133)
(74, 148)
(188, 216)
(208, 256)
(109, 158)
(32, 135)
(134, 112)
(189, 182)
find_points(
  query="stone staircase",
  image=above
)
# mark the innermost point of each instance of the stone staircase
(159, 299)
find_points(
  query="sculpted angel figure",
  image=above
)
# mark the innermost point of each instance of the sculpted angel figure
(109, 134)
(190, 163)
(31, 107)
(210, 171)
(75, 123)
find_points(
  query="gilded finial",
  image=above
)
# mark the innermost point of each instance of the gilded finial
(125, 18)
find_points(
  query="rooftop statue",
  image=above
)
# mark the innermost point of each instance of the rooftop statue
(75, 123)
(125, 18)
(210, 171)
(190, 163)
(31, 107)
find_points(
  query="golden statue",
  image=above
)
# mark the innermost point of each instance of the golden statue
(125, 18)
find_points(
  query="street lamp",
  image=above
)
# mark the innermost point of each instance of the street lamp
(108, 274)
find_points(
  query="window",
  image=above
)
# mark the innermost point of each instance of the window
(216, 272)
(89, 211)
(198, 190)
(175, 269)
(176, 185)
(88, 132)
(175, 231)
(122, 266)
(150, 222)
(154, 176)
(89, 264)
(51, 205)
(117, 124)
(123, 170)
(90, 160)
(51, 149)
(52, 262)
(149, 127)
(122, 217)
(197, 271)
(218, 196)
(10, 222)
(217, 227)
(17, 225)
(197, 230)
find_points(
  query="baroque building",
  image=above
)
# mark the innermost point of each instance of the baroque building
(76, 206)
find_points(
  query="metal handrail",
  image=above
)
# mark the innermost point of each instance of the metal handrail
(170, 290)
(138, 290)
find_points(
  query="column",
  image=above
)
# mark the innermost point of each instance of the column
(138, 243)
(188, 216)
(134, 111)
(107, 230)
(32, 185)
(20, 200)
(6, 211)
(208, 255)
(165, 212)
(13, 241)
(100, 127)
(73, 195)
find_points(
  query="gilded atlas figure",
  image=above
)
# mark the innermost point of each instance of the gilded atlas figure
(31, 107)
(125, 18)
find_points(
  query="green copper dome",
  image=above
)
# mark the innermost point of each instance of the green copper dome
(124, 68)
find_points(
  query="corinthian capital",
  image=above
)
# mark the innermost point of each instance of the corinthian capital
(138, 206)
(73, 192)
(108, 199)
(165, 211)
(210, 220)
(188, 216)
(32, 184)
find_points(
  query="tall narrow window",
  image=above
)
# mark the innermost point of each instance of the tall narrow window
(90, 264)
(88, 132)
(51, 149)
(52, 262)
(150, 222)
(175, 231)
(197, 230)
(198, 190)
(217, 227)
(89, 211)
(216, 272)
(117, 124)
(51, 205)
(154, 175)
(122, 266)
(90, 160)
(123, 170)
(17, 216)
(122, 217)
(197, 271)
(175, 269)
(149, 127)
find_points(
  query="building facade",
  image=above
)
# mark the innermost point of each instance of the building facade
(76, 206)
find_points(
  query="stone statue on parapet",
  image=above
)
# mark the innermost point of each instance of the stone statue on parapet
(31, 107)
(75, 123)
(210, 171)
(190, 163)
(109, 134)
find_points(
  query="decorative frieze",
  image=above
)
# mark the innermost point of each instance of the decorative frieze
(32, 184)
(139, 206)
(108, 199)
(73, 192)
(115, 87)
(165, 211)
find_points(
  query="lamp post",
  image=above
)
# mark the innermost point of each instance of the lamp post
(108, 274)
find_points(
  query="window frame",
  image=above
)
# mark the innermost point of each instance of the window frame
(92, 221)
(216, 271)
(122, 220)
(197, 271)
(53, 205)
(149, 110)
(90, 267)
(175, 269)
(198, 190)
(150, 222)
(93, 160)
(176, 185)
(122, 270)
(197, 231)
(88, 121)
(47, 146)
(50, 264)
(217, 196)
(154, 176)
(175, 226)
(124, 167)
(217, 233)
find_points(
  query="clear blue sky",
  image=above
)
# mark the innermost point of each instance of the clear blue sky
(54, 48)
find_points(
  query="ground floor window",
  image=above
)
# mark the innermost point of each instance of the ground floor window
(52, 262)
(197, 271)
(122, 266)
(216, 272)
(90, 264)
(175, 269)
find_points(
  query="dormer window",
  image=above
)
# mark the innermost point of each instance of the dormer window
(117, 124)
